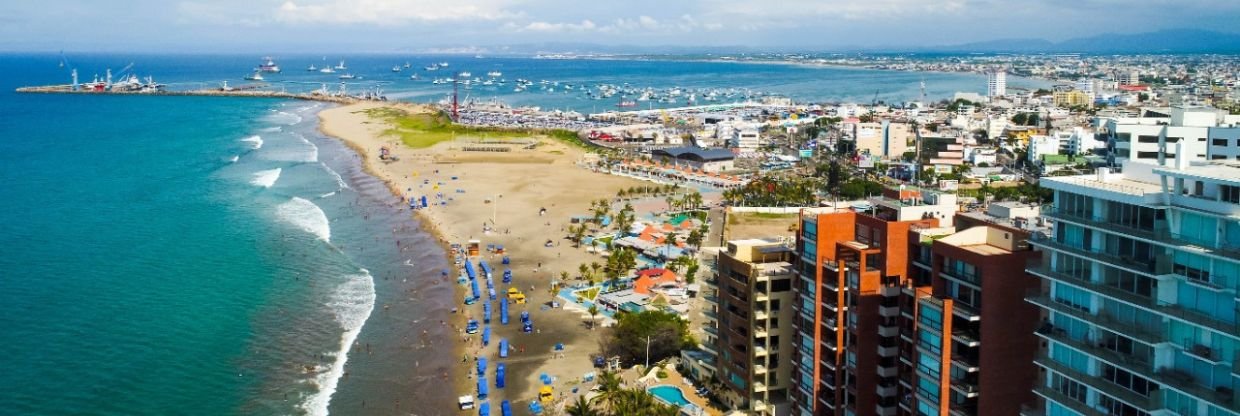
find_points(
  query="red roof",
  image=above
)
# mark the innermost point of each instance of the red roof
(649, 278)
(1134, 88)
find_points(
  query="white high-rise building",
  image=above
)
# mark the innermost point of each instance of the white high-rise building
(996, 84)
(1140, 315)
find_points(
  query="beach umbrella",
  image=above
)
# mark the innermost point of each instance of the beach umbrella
(506, 261)
(499, 376)
(535, 408)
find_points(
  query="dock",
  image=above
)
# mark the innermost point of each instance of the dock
(252, 92)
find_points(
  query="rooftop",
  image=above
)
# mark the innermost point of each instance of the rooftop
(695, 153)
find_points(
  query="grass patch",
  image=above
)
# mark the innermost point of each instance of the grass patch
(424, 130)
(588, 294)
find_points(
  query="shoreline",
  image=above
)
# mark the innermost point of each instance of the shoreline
(508, 192)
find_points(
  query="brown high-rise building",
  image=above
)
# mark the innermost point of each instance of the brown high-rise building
(869, 286)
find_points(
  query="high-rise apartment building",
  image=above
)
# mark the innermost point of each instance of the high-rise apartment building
(1139, 298)
(996, 84)
(749, 324)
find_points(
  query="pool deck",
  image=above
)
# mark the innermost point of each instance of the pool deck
(675, 379)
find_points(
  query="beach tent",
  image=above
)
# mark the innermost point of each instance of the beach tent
(469, 270)
(559, 346)
(482, 387)
(525, 316)
(471, 327)
(503, 348)
(527, 327)
(506, 260)
(507, 275)
(499, 376)
(503, 311)
(486, 310)
(486, 336)
(424, 204)
(546, 394)
(482, 366)
(474, 287)
(535, 408)
(491, 293)
(486, 268)
(505, 408)
(546, 378)
(485, 409)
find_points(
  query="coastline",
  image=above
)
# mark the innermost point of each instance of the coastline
(522, 181)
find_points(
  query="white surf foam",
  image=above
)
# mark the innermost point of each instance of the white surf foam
(307, 216)
(266, 178)
(352, 304)
(339, 180)
(327, 194)
(295, 118)
(255, 140)
(313, 156)
(272, 129)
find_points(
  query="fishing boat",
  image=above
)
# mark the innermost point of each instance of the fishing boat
(443, 64)
(312, 68)
(348, 76)
(431, 67)
(626, 103)
(341, 66)
(256, 76)
(414, 77)
(327, 70)
(396, 68)
(495, 74)
(407, 65)
(268, 65)
(464, 74)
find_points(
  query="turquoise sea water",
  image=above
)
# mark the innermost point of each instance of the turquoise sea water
(178, 255)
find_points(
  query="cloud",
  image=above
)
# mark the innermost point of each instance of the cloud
(390, 12)
(585, 25)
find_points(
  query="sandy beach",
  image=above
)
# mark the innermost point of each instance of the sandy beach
(504, 191)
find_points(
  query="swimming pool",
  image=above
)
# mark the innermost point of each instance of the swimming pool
(670, 394)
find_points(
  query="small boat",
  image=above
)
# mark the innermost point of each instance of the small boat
(312, 68)
(256, 76)
(414, 77)
(341, 66)
(327, 70)
(396, 68)
(443, 64)
(464, 74)
(406, 65)
(268, 65)
(348, 76)
(495, 74)
(431, 67)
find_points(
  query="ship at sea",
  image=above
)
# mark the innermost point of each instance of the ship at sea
(268, 65)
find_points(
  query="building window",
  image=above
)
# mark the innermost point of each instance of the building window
(1147, 139)
(1128, 380)
(1219, 142)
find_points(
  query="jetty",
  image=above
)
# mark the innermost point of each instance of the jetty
(240, 91)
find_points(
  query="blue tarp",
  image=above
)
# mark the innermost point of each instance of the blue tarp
(503, 311)
(482, 366)
(484, 409)
(486, 310)
(469, 271)
(491, 293)
(482, 387)
(535, 408)
(486, 268)
(486, 336)
(505, 408)
(499, 376)
(474, 287)
(503, 348)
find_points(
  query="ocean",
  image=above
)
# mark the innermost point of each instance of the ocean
(207, 255)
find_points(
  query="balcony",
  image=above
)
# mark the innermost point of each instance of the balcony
(709, 329)
(759, 351)
(1144, 335)
(965, 365)
(830, 344)
(759, 387)
(760, 316)
(889, 311)
(761, 297)
(891, 351)
(888, 371)
(1147, 267)
(888, 331)
(759, 369)
(1057, 397)
(965, 311)
(965, 388)
(1146, 302)
(1144, 403)
(886, 389)
(831, 323)
(881, 410)
(709, 314)
(831, 283)
(968, 408)
(711, 298)
(1185, 382)
(889, 291)
(760, 332)
(965, 338)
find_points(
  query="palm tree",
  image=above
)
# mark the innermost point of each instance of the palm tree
(578, 234)
(582, 407)
(595, 266)
(585, 271)
(564, 276)
(670, 201)
(593, 312)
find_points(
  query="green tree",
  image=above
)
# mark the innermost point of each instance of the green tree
(593, 313)
(666, 332)
(582, 407)
(694, 239)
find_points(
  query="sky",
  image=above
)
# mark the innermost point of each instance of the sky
(483, 25)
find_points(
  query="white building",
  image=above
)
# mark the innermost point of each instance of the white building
(1083, 141)
(1153, 139)
(1041, 146)
(1224, 143)
(1140, 276)
(996, 84)
(747, 138)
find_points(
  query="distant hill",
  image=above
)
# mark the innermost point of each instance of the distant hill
(1163, 41)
